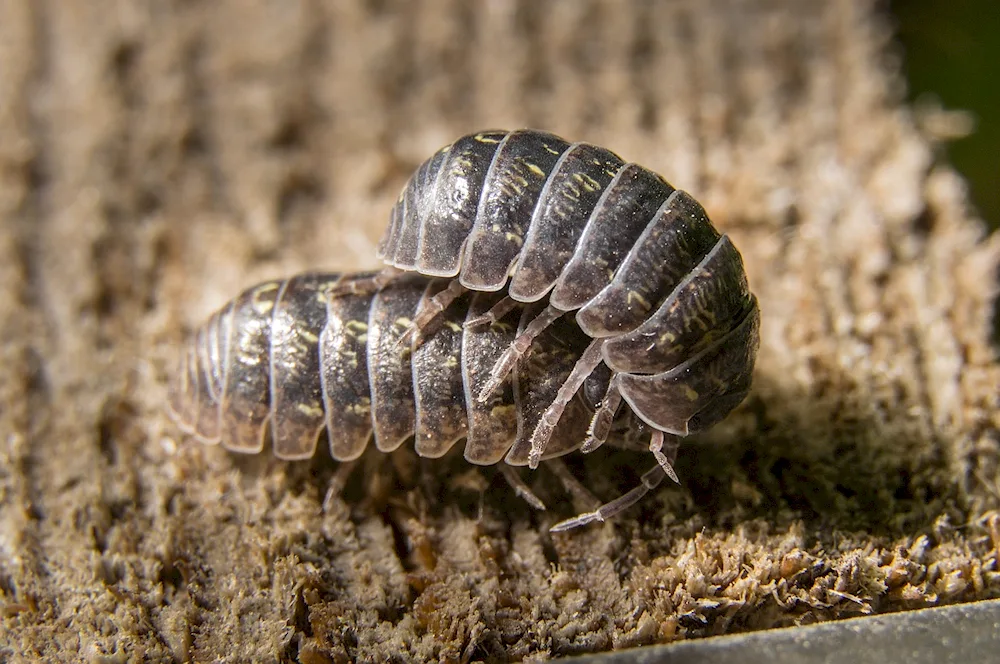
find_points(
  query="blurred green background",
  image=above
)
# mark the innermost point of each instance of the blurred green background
(951, 52)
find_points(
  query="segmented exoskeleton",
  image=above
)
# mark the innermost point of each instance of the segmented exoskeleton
(287, 357)
(663, 296)
(493, 240)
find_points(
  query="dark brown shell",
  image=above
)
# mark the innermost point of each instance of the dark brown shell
(578, 228)
(285, 356)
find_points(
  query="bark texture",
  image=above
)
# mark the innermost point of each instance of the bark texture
(158, 156)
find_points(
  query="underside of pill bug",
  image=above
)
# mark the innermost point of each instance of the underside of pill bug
(284, 357)
(661, 294)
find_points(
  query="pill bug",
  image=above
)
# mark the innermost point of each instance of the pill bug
(289, 358)
(574, 228)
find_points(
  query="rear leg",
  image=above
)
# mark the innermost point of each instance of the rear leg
(373, 283)
(517, 349)
(572, 485)
(494, 314)
(365, 285)
(604, 416)
(429, 310)
(520, 488)
(337, 483)
(588, 361)
(649, 481)
(665, 459)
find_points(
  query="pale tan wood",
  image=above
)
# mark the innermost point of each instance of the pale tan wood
(157, 157)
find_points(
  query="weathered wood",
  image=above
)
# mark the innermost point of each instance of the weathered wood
(157, 157)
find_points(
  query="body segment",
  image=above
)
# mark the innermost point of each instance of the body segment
(309, 367)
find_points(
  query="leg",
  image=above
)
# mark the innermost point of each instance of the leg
(337, 483)
(520, 488)
(496, 312)
(365, 285)
(572, 485)
(650, 480)
(429, 310)
(547, 424)
(517, 348)
(656, 447)
(600, 425)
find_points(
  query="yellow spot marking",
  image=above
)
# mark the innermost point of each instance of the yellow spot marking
(516, 239)
(587, 182)
(403, 322)
(590, 183)
(361, 409)
(453, 326)
(690, 393)
(309, 410)
(356, 327)
(668, 338)
(636, 296)
(451, 362)
(502, 410)
(536, 170)
(259, 305)
(309, 336)
(550, 150)
(483, 138)
(571, 192)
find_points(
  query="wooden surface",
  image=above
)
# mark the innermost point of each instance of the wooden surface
(157, 157)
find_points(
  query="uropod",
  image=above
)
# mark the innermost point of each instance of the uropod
(539, 295)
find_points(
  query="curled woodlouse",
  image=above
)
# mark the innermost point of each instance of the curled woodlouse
(661, 293)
